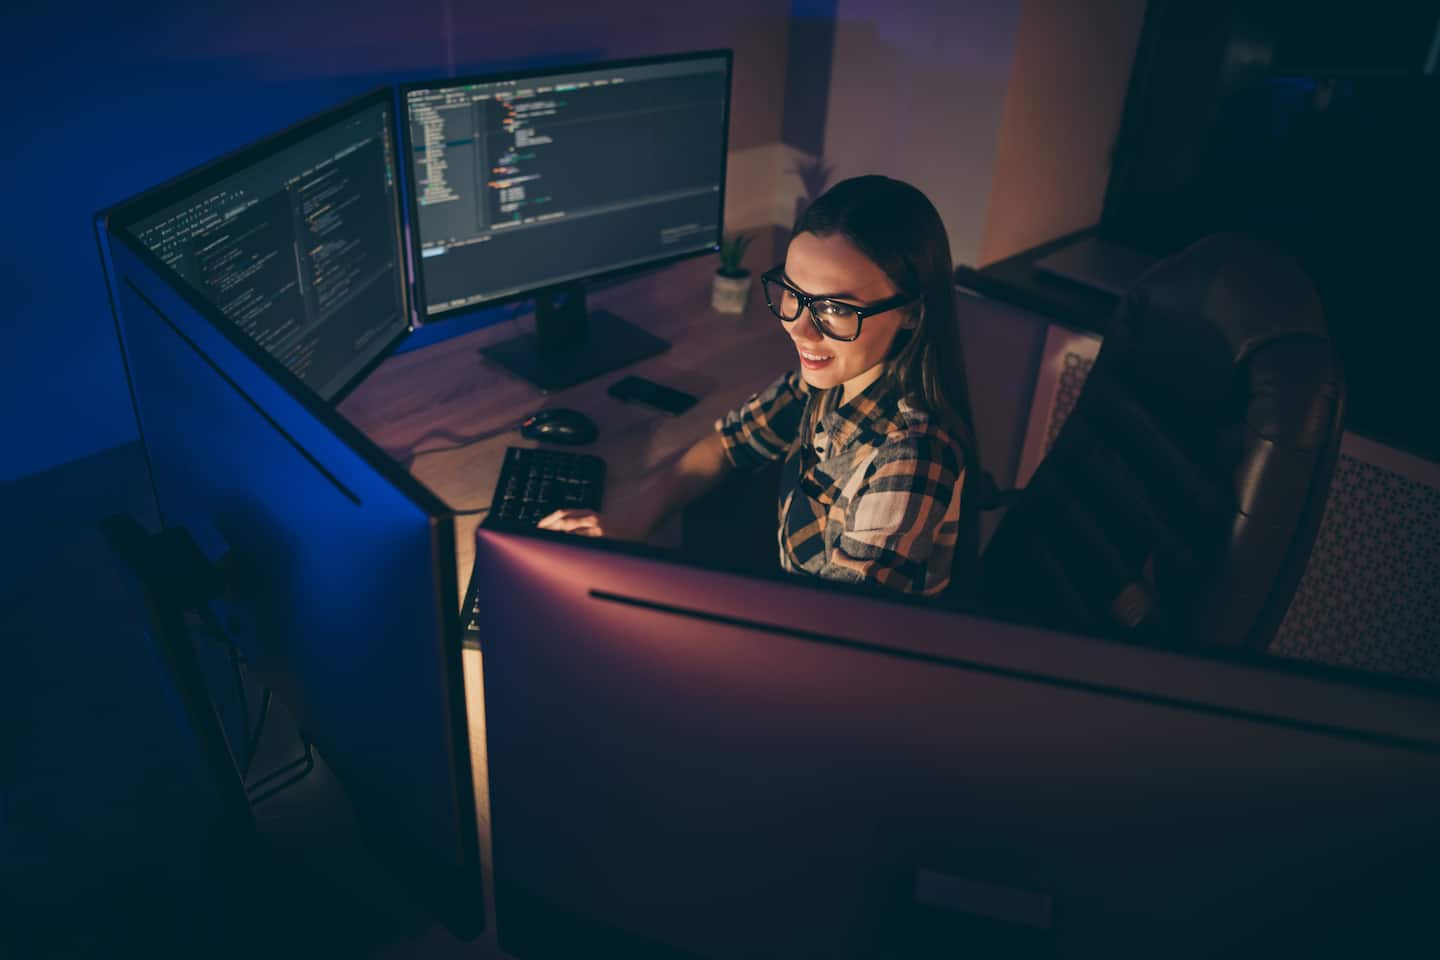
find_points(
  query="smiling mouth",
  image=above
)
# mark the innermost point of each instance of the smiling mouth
(814, 359)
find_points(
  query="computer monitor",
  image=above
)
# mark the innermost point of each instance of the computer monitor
(530, 184)
(299, 247)
(685, 761)
(249, 292)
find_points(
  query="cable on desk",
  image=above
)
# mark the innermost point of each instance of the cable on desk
(462, 443)
(472, 513)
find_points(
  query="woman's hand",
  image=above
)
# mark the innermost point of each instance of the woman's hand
(638, 508)
(586, 523)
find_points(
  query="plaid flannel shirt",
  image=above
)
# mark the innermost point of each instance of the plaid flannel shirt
(873, 496)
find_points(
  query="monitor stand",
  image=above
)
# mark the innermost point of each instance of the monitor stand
(571, 345)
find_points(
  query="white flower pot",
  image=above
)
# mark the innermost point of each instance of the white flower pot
(730, 293)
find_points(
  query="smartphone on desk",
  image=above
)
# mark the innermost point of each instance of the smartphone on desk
(652, 394)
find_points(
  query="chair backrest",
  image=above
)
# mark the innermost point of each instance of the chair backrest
(1180, 500)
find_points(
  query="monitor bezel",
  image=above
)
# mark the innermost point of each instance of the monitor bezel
(120, 217)
(402, 116)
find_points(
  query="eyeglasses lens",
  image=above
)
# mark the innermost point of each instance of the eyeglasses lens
(833, 317)
(783, 303)
(837, 319)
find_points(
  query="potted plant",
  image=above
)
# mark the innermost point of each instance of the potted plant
(732, 280)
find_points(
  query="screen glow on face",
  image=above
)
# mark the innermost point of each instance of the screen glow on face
(847, 340)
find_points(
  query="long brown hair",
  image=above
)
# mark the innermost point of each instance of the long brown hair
(899, 230)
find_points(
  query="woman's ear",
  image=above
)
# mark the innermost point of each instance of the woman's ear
(913, 319)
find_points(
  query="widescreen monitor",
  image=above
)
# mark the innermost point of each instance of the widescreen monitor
(691, 762)
(530, 184)
(299, 246)
(248, 291)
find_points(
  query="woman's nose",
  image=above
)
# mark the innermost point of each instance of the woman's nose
(802, 329)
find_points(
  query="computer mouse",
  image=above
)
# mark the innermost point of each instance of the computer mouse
(559, 425)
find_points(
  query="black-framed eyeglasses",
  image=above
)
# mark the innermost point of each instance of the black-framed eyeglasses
(835, 319)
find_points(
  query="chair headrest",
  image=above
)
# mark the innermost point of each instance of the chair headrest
(1195, 317)
(1227, 291)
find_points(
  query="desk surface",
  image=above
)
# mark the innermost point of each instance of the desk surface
(449, 408)
(1016, 281)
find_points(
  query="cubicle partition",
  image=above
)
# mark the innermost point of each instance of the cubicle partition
(339, 566)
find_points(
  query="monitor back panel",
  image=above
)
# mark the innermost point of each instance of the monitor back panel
(343, 576)
(725, 766)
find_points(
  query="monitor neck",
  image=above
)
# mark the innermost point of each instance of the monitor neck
(572, 344)
(560, 328)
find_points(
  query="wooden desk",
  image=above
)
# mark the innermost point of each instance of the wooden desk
(1017, 282)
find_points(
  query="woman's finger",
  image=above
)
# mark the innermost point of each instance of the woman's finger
(586, 522)
(551, 520)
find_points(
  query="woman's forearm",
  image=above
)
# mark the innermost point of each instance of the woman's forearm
(680, 481)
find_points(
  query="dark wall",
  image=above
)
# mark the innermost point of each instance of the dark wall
(108, 104)
(1317, 133)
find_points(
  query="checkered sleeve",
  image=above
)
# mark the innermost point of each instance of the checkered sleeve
(764, 427)
(903, 521)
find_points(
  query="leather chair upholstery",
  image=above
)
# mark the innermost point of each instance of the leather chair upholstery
(1179, 503)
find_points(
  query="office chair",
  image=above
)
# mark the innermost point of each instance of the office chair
(1180, 500)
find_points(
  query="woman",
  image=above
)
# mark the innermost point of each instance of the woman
(875, 426)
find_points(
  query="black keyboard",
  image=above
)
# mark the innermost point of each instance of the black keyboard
(534, 483)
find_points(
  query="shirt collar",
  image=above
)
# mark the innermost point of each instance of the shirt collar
(870, 416)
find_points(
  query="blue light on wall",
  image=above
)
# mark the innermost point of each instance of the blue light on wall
(116, 100)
